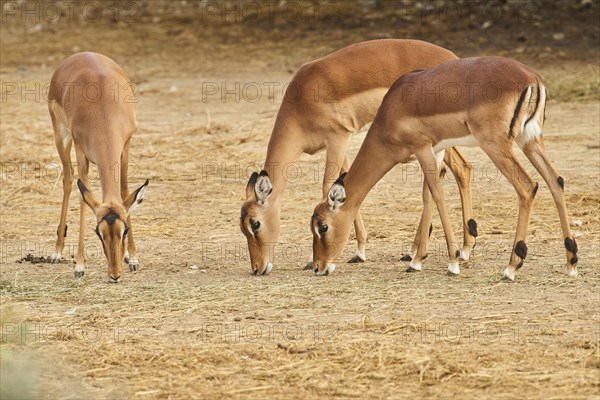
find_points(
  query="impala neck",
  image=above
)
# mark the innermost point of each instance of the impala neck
(109, 165)
(372, 162)
(285, 147)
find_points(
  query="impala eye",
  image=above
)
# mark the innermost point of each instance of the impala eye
(323, 228)
(255, 225)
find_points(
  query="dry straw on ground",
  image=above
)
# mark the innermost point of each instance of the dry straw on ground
(216, 331)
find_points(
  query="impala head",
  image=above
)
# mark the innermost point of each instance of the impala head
(111, 228)
(259, 222)
(330, 225)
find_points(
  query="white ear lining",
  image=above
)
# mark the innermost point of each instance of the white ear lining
(336, 196)
(263, 189)
(139, 197)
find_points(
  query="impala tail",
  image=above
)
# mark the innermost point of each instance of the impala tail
(529, 114)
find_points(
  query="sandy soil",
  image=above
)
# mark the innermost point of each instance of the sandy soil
(214, 330)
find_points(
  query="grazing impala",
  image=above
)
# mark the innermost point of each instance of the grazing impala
(328, 100)
(490, 102)
(91, 104)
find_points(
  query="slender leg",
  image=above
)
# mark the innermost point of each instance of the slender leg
(130, 254)
(83, 165)
(359, 228)
(536, 153)
(64, 152)
(462, 169)
(419, 247)
(430, 169)
(334, 161)
(503, 157)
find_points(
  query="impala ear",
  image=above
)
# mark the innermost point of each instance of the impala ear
(87, 196)
(337, 193)
(135, 198)
(263, 187)
(250, 185)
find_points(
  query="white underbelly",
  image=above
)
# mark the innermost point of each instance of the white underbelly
(464, 141)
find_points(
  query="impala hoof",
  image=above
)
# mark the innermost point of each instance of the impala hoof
(406, 257)
(267, 270)
(508, 275)
(79, 274)
(55, 258)
(453, 269)
(330, 268)
(413, 267)
(572, 271)
(355, 259)
(133, 264)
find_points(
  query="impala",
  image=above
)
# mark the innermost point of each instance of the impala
(91, 104)
(489, 102)
(326, 101)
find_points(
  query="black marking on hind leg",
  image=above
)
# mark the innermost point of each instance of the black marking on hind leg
(571, 245)
(537, 186)
(430, 230)
(472, 224)
(574, 260)
(521, 249)
(519, 266)
(406, 257)
(561, 182)
(66, 227)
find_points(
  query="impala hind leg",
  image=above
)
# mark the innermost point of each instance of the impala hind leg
(359, 229)
(431, 169)
(536, 153)
(63, 144)
(83, 166)
(462, 170)
(502, 156)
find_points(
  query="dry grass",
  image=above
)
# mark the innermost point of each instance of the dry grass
(367, 331)
(579, 85)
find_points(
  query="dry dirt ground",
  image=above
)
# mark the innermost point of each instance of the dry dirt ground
(216, 331)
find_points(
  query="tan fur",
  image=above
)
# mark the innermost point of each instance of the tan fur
(92, 105)
(410, 122)
(327, 100)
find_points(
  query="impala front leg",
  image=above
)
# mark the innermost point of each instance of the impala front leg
(130, 254)
(359, 228)
(430, 167)
(82, 169)
(64, 151)
(419, 246)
